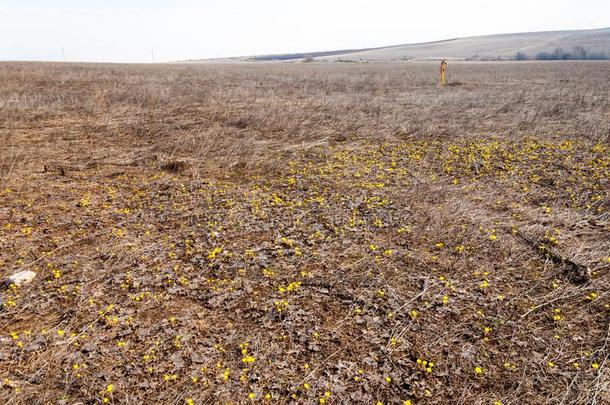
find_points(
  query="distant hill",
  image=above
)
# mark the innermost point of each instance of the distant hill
(576, 44)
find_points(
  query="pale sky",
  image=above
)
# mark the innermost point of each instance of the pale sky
(129, 30)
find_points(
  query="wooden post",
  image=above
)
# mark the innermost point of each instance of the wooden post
(443, 64)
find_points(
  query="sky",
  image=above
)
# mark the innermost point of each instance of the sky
(135, 30)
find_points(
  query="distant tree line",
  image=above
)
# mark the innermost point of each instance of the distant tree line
(309, 56)
(577, 53)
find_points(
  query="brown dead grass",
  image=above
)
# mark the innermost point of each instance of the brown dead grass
(342, 220)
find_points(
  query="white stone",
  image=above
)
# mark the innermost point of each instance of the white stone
(21, 278)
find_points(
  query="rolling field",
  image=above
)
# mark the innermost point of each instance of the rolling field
(595, 43)
(327, 233)
(490, 46)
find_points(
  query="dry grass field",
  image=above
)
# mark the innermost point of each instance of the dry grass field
(305, 233)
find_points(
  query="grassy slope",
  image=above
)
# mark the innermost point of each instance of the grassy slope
(484, 47)
(491, 46)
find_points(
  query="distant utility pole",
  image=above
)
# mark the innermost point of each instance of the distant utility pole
(153, 56)
(63, 53)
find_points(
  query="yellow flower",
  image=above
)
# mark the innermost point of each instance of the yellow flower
(478, 370)
(212, 255)
(109, 388)
(86, 200)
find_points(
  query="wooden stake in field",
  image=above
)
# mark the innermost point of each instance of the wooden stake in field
(443, 65)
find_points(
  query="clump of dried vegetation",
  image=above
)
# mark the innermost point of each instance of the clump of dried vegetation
(305, 233)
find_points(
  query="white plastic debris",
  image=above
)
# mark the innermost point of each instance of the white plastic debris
(21, 278)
